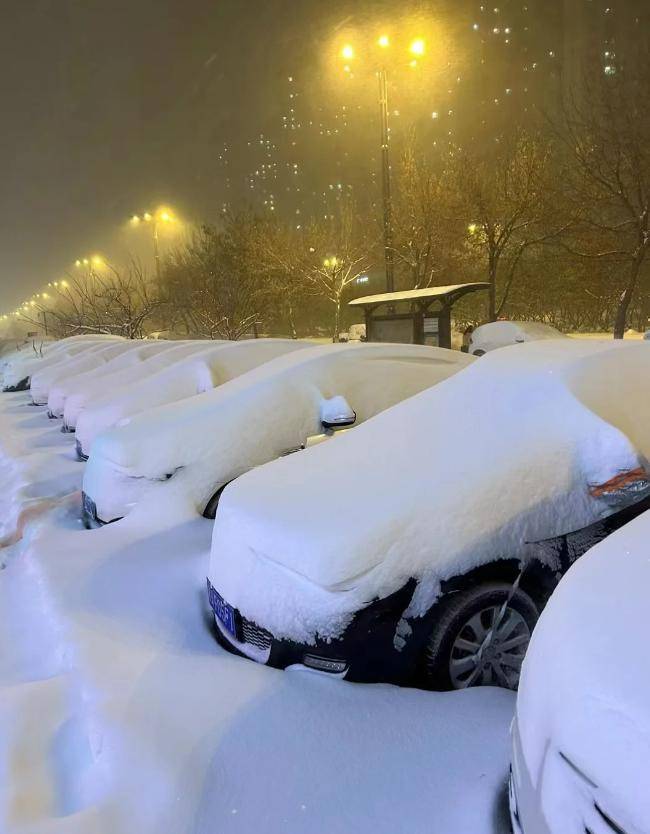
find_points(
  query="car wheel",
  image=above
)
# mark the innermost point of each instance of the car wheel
(210, 510)
(479, 637)
(478, 352)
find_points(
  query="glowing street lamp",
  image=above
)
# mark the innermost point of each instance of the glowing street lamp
(161, 215)
(417, 48)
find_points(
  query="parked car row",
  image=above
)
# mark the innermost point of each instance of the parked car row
(423, 543)
(460, 510)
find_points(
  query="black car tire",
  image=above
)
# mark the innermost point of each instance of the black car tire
(450, 615)
(210, 510)
(478, 352)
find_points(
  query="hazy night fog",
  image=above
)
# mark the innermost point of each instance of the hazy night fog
(111, 108)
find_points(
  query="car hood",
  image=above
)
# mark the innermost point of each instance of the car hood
(459, 475)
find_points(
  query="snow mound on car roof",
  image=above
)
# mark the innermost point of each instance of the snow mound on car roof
(584, 694)
(24, 366)
(285, 392)
(201, 372)
(100, 397)
(462, 474)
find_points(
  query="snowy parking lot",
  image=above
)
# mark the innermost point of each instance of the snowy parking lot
(119, 711)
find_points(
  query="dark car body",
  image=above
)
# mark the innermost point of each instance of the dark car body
(379, 645)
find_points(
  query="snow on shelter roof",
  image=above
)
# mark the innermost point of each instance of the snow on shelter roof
(452, 293)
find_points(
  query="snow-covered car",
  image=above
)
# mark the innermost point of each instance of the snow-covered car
(581, 734)
(497, 334)
(202, 371)
(18, 372)
(355, 333)
(110, 388)
(188, 450)
(96, 356)
(78, 384)
(409, 571)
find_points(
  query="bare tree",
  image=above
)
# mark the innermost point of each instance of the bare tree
(607, 177)
(216, 281)
(122, 301)
(286, 264)
(505, 198)
(339, 251)
(425, 229)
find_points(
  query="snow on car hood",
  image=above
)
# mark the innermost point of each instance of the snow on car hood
(461, 474)
(584, 696)
(215, 436)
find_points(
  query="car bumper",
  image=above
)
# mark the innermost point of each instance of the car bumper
(526, 814)
(371, 648)
(91, 520)
(21, 385)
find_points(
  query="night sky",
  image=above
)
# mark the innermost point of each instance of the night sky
(111, 107)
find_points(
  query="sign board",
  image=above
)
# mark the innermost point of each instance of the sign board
(396, 330)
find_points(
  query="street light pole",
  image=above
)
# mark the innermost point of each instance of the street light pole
(385, 181)
(156, 250)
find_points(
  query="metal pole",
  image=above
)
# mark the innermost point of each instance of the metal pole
(385, 181)
(156, 250)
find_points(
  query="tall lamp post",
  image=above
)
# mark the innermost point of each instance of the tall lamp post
(154, 220)
(416, 48)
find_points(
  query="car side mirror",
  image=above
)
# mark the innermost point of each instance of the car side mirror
(337, 413)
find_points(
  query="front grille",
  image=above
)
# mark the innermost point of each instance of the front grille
(256, 636)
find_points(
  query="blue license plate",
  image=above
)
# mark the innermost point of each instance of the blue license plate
(224, 612)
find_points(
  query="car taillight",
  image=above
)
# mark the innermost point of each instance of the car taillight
(625, 484)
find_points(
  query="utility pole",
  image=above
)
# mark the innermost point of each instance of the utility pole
(385, 181)
(156, 250)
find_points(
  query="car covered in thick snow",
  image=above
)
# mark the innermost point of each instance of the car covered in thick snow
(581, 734)
(409, 568)
(188, 450)
(96, 356)
(107, 389)
(18, 371)
(201, 371)
(497, 334)
(78, 385)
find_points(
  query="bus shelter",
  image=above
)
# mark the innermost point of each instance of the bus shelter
(419, 317)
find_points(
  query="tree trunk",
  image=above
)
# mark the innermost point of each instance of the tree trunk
(292, 323)
(337, 319)
(620, 320)
(492, 291)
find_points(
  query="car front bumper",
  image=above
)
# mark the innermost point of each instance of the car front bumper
(91, 520)
(371, 649)
(21, 385)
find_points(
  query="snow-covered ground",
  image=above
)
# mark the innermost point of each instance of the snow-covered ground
(120, 713)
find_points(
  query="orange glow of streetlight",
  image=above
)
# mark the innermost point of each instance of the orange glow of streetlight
(417, 47)
(383, 41)
(347, 52)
